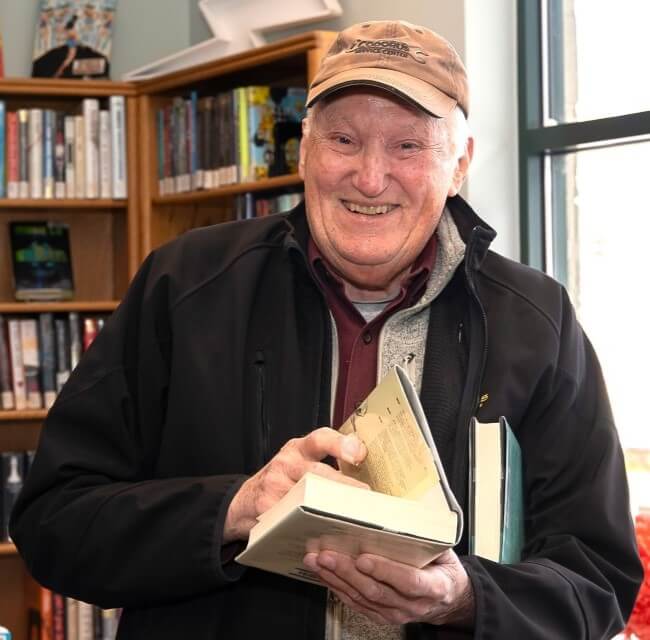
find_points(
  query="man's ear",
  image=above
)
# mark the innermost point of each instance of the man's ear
(303, 145)
(462, 167)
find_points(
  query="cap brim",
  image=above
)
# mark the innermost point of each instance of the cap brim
(419, 93)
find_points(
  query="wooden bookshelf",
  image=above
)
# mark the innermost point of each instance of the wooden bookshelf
(104, 238)
(290, 62)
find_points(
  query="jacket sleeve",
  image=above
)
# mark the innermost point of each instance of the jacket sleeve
(92, 522)
(581, 570)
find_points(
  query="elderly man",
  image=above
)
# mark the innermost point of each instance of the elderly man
(196, 409)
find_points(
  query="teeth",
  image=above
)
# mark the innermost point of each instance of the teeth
(368, 211)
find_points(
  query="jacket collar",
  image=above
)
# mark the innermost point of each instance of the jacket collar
(475, 233)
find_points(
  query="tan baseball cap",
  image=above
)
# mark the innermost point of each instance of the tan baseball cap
(413, 62)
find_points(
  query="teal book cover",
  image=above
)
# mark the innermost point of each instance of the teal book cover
(512, 534)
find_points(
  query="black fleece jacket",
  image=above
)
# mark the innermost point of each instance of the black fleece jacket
(220, 353)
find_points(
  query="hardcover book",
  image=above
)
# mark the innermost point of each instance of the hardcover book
(41, 260)
(409, 515)
(496, 522)
(73, 39)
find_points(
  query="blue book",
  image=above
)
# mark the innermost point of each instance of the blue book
(3, 152)
(496, 519)
(49, 127)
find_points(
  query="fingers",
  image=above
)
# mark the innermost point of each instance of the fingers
(324, 442)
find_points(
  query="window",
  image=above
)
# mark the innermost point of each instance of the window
(584, 100)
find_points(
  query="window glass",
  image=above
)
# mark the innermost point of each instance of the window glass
(598, 55)
(601, 226)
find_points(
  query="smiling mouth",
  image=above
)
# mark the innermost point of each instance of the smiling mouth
(374, 210)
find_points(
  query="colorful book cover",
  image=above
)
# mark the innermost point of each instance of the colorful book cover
(41, 260)
(287, 128)
(73, 38)
(3, 180)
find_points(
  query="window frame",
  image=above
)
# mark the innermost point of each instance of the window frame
(543, 243)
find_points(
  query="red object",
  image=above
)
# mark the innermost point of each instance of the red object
(639, 623)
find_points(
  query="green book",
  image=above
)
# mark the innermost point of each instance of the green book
(496, 519)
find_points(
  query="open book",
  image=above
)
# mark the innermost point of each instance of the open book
(410, 515)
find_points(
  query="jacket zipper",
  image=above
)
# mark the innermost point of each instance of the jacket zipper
(265, 435)
(470, 403)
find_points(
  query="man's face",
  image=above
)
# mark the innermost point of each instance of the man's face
(377, 173)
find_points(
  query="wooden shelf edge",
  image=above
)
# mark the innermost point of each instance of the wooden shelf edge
(63, 88)
(294, 45)
(24, 415)
(53, 203)
(229, 190)
(8, 549)
(54, 307)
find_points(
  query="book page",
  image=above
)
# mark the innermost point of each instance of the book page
(399, 462)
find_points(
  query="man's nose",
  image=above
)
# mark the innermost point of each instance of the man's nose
(371, 177)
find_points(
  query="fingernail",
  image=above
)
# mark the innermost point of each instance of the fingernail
(351, 449)
(365, 564)
(310, 561)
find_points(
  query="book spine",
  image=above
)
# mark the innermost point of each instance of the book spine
(105, 160)
(13, 160)
(58, 617)
(6, 390)
(218, 141)
(90, 108)
(117, 109)
(195, 141)
(59, 156)
(49, 120)
(79, 157)
(241, 135)
(97, 623)
(160, 141)
(71, 619)
(17, 370)
(46, 613)
(3, 153)
(31, 362)
(35, 153)
(206, 141)
(110, 619)
(169, 149)
(48, 358)
(76, 344)
(11, 481)
(85, 621)
(23, 154)
(62, 352)
(182, 161)
(70, 148)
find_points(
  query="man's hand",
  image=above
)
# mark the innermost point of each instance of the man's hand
(390, 592)
(297, 457)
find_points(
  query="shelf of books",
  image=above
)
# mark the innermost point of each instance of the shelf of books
(220, 141)
(69, 246)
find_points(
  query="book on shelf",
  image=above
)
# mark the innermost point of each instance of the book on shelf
(41, 260)
(246, 134)
(496, 517)
(6, 390)
(37, 354)
(409, 514)
(12, 478)
(74, 39)
(55, 154)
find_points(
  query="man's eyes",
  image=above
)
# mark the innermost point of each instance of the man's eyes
(341, 139)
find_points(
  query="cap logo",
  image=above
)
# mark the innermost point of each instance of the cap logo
(388, 48)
